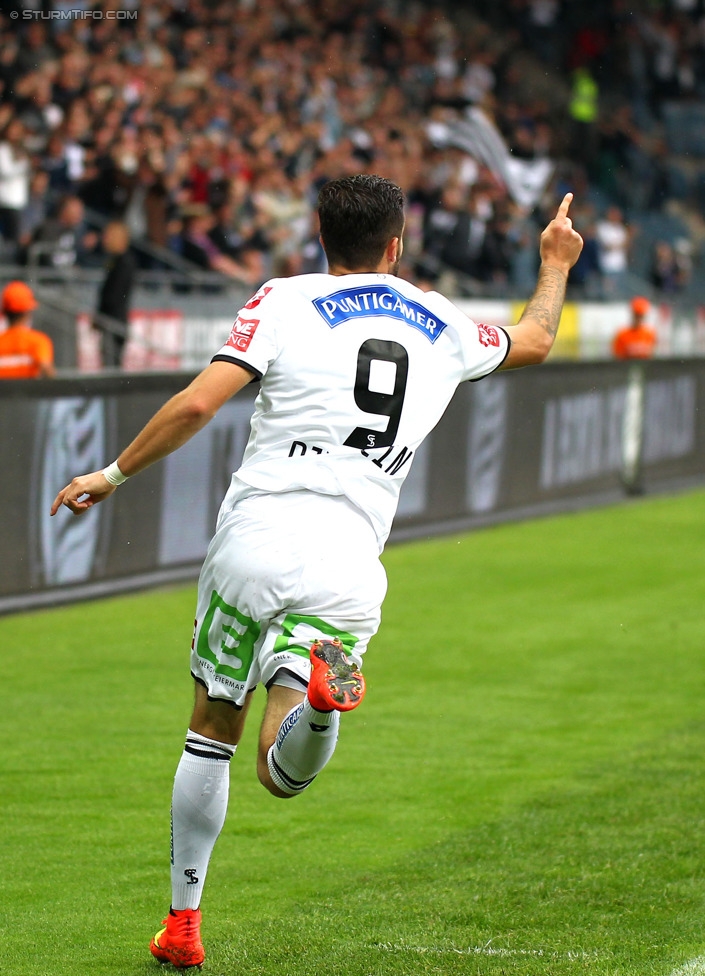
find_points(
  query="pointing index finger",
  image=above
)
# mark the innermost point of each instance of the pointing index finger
(565, 203)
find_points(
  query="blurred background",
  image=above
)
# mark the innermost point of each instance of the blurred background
(205, 130)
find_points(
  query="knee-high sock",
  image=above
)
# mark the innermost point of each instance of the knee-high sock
(198, 807)
(305, 742)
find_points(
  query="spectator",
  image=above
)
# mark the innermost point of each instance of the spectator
(585, 273)
(441, 234)
(670, 268)
(284, 213)
(115, 291)
(25, 353)
(621, 158)
(197, 246)
(241, 243)
(35, 213)
(613, 241)
(455, 230)
(151, 198)
(14, 183)
(313, 258)
(584, 114)
(36, 48)
(55, 164)
(38, 113)
(636, 340)
(62, 241)
(683, 247)
(499, 247)
(664, 269)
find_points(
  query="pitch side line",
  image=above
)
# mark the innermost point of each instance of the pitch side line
(694, 967)
(489, 950)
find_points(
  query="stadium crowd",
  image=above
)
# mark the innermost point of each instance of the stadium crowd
(208, 128)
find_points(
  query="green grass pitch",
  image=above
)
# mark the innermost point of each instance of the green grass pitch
(523, 790)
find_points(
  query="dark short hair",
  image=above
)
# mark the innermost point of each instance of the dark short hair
(13, 317)
(359, 215)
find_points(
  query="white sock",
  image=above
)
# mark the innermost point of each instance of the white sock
(305, 742)
(198, 807)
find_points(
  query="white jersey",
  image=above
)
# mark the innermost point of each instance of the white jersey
(355, 371)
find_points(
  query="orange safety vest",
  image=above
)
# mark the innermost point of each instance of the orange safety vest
(23, 351)
(634, 343)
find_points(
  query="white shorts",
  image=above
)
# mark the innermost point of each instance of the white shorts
(282, 570)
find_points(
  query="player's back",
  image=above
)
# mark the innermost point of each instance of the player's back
(356, 370)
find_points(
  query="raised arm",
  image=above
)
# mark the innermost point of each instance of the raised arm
(175, 423)
(533, 336)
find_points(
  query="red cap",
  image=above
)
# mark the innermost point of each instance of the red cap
(18, 297)
(640, 306)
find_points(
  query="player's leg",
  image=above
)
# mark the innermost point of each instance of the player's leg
(299, 732)
(316, 645)
(198, 809)
(238, 593)
(281, 702)
(296, 742)
(200, 795)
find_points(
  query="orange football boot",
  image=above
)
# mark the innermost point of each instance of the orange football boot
(336, 682)
(179, 942)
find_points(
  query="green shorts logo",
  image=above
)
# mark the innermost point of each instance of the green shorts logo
(233, 634)
(314, 627)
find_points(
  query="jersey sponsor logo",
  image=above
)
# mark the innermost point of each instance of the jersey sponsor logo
(257, 297)
(376, 300)
(241, 333)
(489, 336)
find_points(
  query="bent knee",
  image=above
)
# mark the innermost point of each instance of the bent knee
(265, 778)
(268, 783)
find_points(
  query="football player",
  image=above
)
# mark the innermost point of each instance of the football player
(355, 367)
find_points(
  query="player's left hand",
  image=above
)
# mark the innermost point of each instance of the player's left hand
(83, 493)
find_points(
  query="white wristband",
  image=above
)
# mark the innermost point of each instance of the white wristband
(113, 475)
